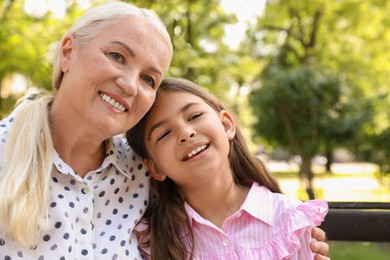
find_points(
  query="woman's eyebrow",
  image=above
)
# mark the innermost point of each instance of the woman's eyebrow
(126, 47)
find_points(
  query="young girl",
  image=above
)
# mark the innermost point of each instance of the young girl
(212, 199)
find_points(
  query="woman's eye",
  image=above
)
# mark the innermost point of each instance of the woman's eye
(195, 116)
(149, 80)
(163, 135)
(117, 57)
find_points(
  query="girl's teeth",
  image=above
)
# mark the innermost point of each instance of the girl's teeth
(197, 150)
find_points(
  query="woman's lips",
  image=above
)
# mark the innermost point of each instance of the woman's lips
(112, 102)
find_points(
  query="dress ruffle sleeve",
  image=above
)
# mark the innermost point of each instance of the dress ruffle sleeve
(288, 241)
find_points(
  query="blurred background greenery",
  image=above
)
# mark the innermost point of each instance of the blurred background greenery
(309, 80)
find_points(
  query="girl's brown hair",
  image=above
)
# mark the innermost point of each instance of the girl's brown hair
(169, 227)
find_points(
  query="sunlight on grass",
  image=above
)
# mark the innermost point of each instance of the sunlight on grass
(348, 182)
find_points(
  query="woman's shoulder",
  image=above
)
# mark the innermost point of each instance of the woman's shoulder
(123, 149)
(7, 122)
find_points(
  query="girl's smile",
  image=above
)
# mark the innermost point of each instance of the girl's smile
(196, 153)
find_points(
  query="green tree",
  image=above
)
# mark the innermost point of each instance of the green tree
(294, 107)
(319, 100)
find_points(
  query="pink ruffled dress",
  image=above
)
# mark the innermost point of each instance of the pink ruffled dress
(268, 226)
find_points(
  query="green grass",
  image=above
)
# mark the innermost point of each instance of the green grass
(340, 250)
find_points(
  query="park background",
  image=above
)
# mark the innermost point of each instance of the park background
(308, 79)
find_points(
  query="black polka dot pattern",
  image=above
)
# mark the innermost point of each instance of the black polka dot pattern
(91, 217)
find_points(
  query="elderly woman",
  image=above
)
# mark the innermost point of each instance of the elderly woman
(70, 188)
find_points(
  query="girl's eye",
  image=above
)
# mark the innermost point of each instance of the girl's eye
(149, 80)
(117, 57)
(195, 116)
(163, 135)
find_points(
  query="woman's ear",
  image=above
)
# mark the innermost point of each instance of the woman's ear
(228, 123)
(154, 171)
(67, 46)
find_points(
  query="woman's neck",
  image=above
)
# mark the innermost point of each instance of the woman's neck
(74, 144)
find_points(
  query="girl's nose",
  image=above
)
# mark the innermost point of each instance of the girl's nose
(128, 83)
(187, 134)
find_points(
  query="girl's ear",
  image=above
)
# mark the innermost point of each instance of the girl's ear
(154, 171)
(67, 46)
(228, 123)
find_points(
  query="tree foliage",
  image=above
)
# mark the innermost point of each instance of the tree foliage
(323, 65)
(26, 43)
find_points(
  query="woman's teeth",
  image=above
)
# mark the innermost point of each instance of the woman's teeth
(112, 102)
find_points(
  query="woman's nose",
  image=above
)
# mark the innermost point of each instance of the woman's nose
(187, 134)
(128, 83)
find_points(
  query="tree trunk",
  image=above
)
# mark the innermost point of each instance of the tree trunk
(306, 169)
(329, 160)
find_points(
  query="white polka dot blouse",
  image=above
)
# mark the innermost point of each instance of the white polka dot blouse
(91, 217)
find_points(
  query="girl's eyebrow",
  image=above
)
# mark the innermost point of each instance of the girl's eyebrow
(163, 121)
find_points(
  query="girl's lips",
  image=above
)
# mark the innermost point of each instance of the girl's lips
(195, 151)
(118, 105)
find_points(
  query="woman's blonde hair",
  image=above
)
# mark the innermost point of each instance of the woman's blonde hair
(25, 173)
(28, 155)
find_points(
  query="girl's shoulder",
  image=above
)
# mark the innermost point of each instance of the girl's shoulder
(286, 207)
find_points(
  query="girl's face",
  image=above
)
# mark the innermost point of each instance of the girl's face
(111, 82)
(188, 141)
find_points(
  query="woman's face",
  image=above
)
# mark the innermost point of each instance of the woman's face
(111, 82)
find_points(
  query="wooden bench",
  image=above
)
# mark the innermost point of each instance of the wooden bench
(358, 221)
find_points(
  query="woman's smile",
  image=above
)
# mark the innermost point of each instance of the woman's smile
(113, 102)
